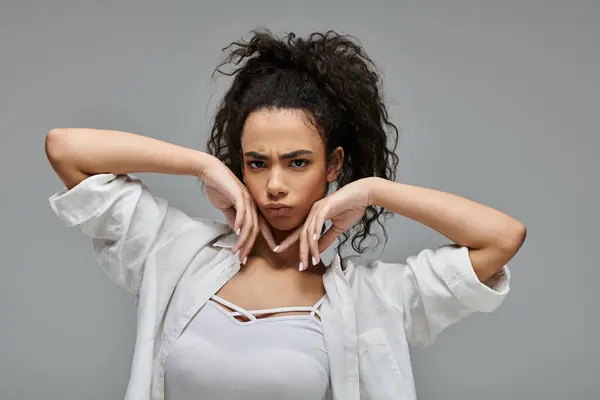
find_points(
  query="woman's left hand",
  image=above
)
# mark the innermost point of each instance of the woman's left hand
(344, 208)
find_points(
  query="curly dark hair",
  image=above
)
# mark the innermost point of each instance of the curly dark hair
(330, 77)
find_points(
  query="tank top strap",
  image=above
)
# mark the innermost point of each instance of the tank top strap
(252, 314)
(238, 311)
(281, 310)
(315, 310)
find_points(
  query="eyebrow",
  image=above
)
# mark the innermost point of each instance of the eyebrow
(286, 156)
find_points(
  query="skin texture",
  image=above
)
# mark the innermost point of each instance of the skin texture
(272, 279)
(299, 181)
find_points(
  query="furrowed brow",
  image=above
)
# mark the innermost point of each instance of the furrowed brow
(286, 156)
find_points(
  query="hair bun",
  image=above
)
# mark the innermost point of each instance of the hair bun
(316, 55)
(289, 53)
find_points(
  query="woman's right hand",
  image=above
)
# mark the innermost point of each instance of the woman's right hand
(228, 194)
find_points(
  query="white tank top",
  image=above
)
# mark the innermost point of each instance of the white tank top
(218, 357)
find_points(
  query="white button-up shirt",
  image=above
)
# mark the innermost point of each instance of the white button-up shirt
(372, 314)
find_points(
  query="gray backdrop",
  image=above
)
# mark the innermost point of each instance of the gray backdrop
(497, 101)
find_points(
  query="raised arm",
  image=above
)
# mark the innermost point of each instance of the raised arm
(492, 237)
(77, 153)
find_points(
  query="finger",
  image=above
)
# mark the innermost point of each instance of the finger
(230, 215)
(240, 221)
(290, 240)
(265, 230)
(303, 247)
(240, 210)
(311, 236)
(320, 223)
(304, 236)
(251, 240)
(328, 238)
(246, 225)
(255, 229)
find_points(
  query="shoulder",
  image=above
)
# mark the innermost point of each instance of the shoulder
(357, 267)
(194, 238)
(210, 225)
(445, 262)
(440, 256)
(356, 262)
(209, 229)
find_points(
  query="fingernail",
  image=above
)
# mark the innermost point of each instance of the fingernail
(275, 249)
(238, 231)
(300, 267)
(314, 236)
(314, 260)
(245, 259)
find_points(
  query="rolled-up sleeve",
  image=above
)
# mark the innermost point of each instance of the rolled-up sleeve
(437, 288)
(124, 221)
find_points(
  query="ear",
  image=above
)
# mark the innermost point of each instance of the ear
(334, 164)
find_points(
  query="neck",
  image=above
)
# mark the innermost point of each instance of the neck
(289, 259)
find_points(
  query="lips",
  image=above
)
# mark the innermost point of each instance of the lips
(278, 209)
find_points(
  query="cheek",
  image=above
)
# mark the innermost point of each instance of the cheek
(251, 187)
(308, 191)
(312, 185)
(254, 184)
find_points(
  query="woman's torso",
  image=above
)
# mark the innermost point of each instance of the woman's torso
(259, 337)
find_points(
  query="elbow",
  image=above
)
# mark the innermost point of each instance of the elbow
(517, 238)
(59, 152)
(55, 144)
(57, 131)
(489, 261)
(512, 241)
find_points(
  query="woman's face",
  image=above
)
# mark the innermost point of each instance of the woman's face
(284, 165)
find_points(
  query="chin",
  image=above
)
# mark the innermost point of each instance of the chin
(285, 224)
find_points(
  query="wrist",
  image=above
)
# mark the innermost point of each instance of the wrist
(375, 186)
(203, 162)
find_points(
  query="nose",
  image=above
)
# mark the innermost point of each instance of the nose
(275, 186)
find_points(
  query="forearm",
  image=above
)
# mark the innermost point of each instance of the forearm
(95, 151)
(461, 220)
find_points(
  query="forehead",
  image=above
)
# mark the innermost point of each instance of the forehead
(280, 130)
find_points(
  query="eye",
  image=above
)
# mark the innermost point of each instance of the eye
(299, 163)
(253, 164)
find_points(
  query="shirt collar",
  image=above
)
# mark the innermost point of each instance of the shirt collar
(226, 241)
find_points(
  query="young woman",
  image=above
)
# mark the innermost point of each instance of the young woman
(247, 309)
